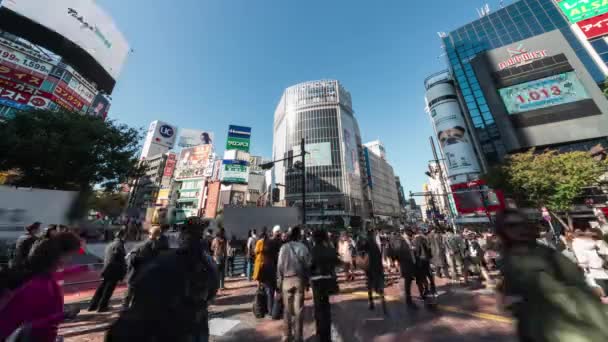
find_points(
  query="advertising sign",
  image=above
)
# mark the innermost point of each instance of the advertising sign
(83, 23)
(577, 10)
(239, 132)
(318, 154)
(476, 197)
(11, 72)
(519, 55)
(241, 144)
(163, 133)
(213, 195)
(235, 171)
(194, 137)
(545, 92)
(18, 60)
(63, 92)
(454, 140)
(170, 165)
(594, 27)
(193, 162)
(100, 106)
(78, 88)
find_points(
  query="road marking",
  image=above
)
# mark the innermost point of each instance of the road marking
(221, 326)
(482, 315)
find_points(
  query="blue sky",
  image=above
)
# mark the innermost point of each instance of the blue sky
(210, 63)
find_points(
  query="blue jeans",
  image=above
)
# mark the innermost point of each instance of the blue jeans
(269, 289)
(249, 269)
(221, 267)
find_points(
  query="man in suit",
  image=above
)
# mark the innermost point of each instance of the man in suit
(409, 269)
(114, 269)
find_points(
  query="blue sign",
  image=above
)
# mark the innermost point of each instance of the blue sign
(239, 132)
(166, 131)
(235, 162)
(14, 104)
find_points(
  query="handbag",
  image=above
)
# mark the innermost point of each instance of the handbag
(259, 303)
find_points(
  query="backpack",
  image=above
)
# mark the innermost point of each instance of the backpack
(259, 303)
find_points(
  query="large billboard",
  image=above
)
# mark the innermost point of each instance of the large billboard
(545, 92)
(194, 137)
(193, 162)
(100, 106)
(594, 27)
(29, 67)
(83, 23)
(235, 171)
(577, 10)
(318, 154)
(239, 138)
(159, 139)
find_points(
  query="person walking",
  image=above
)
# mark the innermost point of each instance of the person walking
(375, 271)
(259, 255)
(437, 244)
(219, 248)
(591, 253)
(24, 245)
(345, 251)
(250, 253)
(455, 250)
(49, 232)
(231, 252)
(172, 294)
(544, 290)
(114, 270)
(293, 278)
(423, 256)
(35, 298)
(139, 257)
(267, 275)
(409, 268)
(324, 282)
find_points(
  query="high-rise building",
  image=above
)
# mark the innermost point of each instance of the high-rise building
(377, 148)
(51, 61)
(321, 113)
(384, 195)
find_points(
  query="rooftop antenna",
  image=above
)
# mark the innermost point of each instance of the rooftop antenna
(483, 11)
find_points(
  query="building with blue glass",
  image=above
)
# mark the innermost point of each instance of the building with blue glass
(526, 78)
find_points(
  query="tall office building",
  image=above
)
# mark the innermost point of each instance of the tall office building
(321, 113)
(384, 195)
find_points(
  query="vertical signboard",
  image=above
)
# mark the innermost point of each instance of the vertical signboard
(193, 162)
(577, 10)
(233, 169)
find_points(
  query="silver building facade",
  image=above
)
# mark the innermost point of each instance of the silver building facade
(321, 113)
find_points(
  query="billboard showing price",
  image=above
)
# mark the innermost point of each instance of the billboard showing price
(545, 92)
(577, 10)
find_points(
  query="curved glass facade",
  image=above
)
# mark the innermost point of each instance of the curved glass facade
(321, 113)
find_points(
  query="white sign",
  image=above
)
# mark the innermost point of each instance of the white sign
(194, 137)
(82, 22)
(318, 154)
(82, 90)
(11, 56)
(519, 56)
(453, 138)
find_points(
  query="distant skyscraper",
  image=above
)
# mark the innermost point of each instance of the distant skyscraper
(377, 148)
(321, 113)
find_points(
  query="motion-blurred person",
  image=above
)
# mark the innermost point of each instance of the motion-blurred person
(409, 269)
(219, 248)
(267, 275)
(437, 244)
(454, 252)
(233, 246)
(545, 291)
(324, 282)
(375, 271)
(259, 255)
(423, 256)
(172, 294)
(591, 253)
(474, 258)
(138, 258)
(346, 246)
(114, 270)
(49, 232)
(34, 299)
(293, 276)
(250, 253)
(24, 245)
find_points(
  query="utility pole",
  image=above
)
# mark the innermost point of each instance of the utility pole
(443, 186)
(303, 153)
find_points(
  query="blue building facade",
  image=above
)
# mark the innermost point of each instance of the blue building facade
(520, 20)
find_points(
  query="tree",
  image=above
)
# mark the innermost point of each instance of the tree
(111, 204)
(67, 151)
(549, 179)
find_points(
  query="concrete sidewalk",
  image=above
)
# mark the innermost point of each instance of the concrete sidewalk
(462, 314)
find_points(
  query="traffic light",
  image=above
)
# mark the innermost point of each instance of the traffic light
(276, 195)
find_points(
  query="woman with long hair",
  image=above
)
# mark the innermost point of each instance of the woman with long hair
(35, 299)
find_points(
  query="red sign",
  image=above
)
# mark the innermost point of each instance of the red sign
(475, 197)
(22, 76)
(213, 195)
(63, 92)
(594, 27)
(170, 165)
(20, 87)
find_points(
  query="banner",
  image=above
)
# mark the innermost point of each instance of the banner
(594, 27)
(577, 10)
(235, 171)
(193, 162)
(194, 137)
(9, 71)
(241, 144)
(545, 92)
(21, 62)
(100, 106)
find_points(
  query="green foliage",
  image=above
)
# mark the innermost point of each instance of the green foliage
(547, 179)
(108, 203)
(67, 151)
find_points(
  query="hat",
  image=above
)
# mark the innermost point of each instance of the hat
(276, 229)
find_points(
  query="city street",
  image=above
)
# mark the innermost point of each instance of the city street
(463, 314)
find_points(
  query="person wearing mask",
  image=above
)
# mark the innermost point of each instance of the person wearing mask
(35, 299)
(218, 251)
(172, 294)
(250, 253)
(114, 270)
(546, 292)
(259, 255)
(323, 280)
(24, 245)
(591, 252)
(293, 273)
(232, 249)
(375, 271)
(345, 251)
(268, 270)
(138, 258)
(435, 238)
(409, 269)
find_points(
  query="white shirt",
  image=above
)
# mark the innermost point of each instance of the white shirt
(588, 253)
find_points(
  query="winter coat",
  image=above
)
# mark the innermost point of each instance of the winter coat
(407, 259)
(141, 255)
(259, 258)
(114, 264)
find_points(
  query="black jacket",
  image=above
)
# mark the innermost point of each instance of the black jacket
(22, 249)
(139, 257)
(324, 260)
(268, 271)
(407, 259)
(114, 264)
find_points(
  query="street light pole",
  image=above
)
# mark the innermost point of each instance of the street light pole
(303, 153)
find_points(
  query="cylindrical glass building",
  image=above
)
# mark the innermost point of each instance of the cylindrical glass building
(321, 113)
